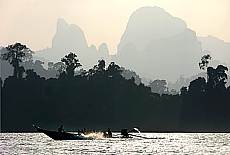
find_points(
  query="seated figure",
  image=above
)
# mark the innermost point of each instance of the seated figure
(124, 133)
(60, 129)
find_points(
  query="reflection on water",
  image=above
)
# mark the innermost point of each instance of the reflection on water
(141, 143)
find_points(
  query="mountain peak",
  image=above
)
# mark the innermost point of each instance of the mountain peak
(61, 24)
(72, 35)
(150, 23)
(150, 10)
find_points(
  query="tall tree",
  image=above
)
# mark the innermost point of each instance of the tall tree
(217, 77)
(204, 61)
(197, 86)
(16, 53)
(71, 63)
(101, 65)
(99, 68)
(113, 70)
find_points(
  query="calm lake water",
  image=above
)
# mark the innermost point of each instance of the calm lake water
(150, 143)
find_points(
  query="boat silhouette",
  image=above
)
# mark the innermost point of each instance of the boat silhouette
(60, 135)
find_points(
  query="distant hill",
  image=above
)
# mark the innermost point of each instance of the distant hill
(71, 38)
(218, 49)
(157, 45)
(6, 69)
(150, 23)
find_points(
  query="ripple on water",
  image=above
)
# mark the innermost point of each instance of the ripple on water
(150, 143)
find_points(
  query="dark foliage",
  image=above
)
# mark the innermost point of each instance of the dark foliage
(101, 97)
(16, 54)
(204, 61)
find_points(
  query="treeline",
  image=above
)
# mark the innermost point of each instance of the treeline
(101, 97)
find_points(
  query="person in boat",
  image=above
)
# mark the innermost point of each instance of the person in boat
(60, 129)
(124, 133)
(109, 133)
(84, 131)
(78, 132)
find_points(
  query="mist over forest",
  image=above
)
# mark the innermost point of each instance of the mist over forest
(155, 45)
(162, 78)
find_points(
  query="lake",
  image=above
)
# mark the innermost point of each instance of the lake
(145, 143)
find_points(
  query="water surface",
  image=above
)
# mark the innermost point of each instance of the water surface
(148, 143)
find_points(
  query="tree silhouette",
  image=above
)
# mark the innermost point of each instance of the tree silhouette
(128, 74)
(101, 65)
(21, 70)
(16, 54)
(59, 66)
(183, 91)
(158, 86)
(197, 86)
(97, 69)
(1, 82)
(71, 63)
(217, 77)
(107, 97)
(204, 61)
(50, 65)
(113, 70)
(31, 75)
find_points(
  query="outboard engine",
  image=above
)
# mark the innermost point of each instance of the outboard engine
(124, 133)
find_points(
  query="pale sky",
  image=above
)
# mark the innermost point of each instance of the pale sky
(33, 22)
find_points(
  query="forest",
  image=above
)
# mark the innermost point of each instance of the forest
(102, 97)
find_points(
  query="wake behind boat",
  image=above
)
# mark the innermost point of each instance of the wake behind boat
(61, 135)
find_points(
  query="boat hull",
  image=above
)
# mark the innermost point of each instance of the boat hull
(60, 135)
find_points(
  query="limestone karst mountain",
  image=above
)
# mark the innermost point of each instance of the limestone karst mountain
(71, 38)
(150, 23)
(157, 45)
(218, 49)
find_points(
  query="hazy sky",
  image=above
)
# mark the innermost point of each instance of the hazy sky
(33, 22)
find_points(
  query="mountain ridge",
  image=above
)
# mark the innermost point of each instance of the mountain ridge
(141, 24)
(70, 37)
(139, 51)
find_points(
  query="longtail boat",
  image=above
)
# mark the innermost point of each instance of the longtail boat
(60, 135)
